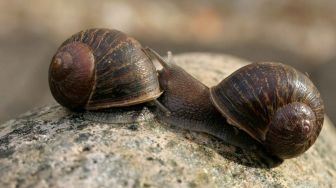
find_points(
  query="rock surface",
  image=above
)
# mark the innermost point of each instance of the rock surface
(53, 147)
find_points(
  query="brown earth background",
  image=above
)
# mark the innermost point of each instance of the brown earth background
(299, 33)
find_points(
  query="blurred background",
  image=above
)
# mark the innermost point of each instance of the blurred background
(300, 33)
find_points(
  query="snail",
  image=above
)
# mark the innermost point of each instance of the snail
(269, 107)
(102, 68)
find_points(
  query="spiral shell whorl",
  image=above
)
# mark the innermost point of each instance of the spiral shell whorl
(293, 126)
(250, 98)
(71, 75)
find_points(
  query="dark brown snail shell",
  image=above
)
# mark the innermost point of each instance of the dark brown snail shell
(102, 68)
(275, 104)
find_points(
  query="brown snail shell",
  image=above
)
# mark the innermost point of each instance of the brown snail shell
(275, 104)
(102, 68)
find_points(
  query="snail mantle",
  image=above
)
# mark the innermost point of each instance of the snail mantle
(54, 147)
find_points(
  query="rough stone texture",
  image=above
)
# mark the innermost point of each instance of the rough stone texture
(53, 147)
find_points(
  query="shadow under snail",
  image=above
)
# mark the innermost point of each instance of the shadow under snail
(273, 103)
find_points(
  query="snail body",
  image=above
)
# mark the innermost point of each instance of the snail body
(102, 68)
(247, 101)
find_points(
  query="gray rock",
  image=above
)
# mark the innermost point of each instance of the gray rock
(53, 147)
